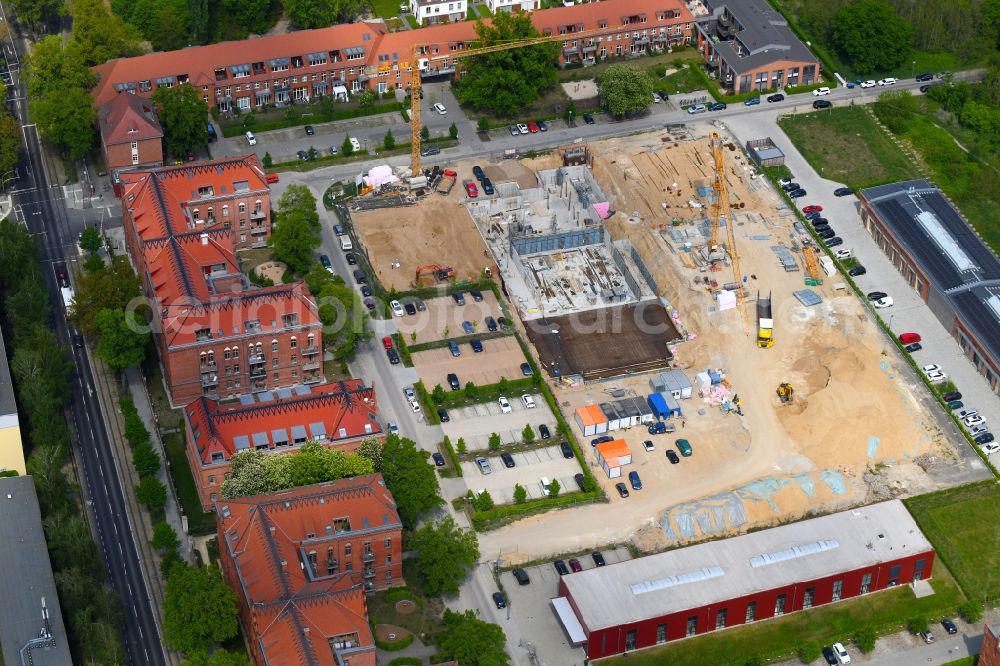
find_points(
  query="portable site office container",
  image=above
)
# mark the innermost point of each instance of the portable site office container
(612, 456)
(630, 415)
(673, 407)
(645, 411)
(611, 414)
(658, 405)
(676, 383)
(591, 420)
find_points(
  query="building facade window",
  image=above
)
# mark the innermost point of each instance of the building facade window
(894, 572)
(661, 633)
(918, 569)
(630, 636)
(866, 583)
(838, 589)
(692, 626)
(721, 616)
(807, 600)
(751, 615)
(779, 605)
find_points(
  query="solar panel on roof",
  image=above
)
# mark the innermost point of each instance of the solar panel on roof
(246, 399)
(241, 442)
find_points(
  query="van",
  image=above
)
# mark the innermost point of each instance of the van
(251, 139)
(346, 244)
(355, 145)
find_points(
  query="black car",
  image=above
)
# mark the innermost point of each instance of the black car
(78, 341)
(876, 295)
(352, 259)
(491, 324)
(443, 415)
(925, 88)
(459, 298)
(499, 600)
(718, 106)
(309, 130)
(366, 290)
(816, 221)
(567, 450)
(601, 440)
(948, 625)
(438, 458)
(477, 295)
(361, 278)
(543, 430)
(542, 126)
(672, 457)
(561, 567)
(477, 345)
(820, 228)
(776, 97)
(578, 477)
(951, 396)
(410, 308)
(913, 347)
(826, 234)
(856, 271)
(526, 369)
(622, 489)
(598, 559)
(430, 150)
(302, 155)
(369, 303)
(815, 215)
(453, 381)
(843, 192)
(834, 242)
(478, 172)
(589, 119)
(822, 104)
(487, 186)
(791, 187)
(657, 428)
(830, 657)
(393, 356)
(507, 460)
(521, 576)
(985, 438)
(928, 77)
(797, 194)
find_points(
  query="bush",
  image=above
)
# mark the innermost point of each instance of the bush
(483, 501)
(407, 661)
(972, 611)
(394, 646)
(554, 488)
(528, 434)
(145, 460)
(809, 652)
(520, 494)
(500, 515)
(917, 625)
(135, 430)
(865, 639)
(461, 446)
(495, 441)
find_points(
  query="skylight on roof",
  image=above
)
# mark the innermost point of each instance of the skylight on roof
(766, 559)
(945, 241)
(993, 303)
(681, 579)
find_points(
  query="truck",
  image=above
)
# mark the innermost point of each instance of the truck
(765, 324)
(68, 296)
(447, 181)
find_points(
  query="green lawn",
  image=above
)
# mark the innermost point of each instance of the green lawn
(845, 145)
(385, 9)
(962, 525)
(684, 80)
(778, 639)
(199, 522)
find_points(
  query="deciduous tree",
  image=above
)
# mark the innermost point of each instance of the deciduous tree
(321, 13)
(184, 115)
(411, 479)
(90, 239)
(101, 35)
(296, 232)
(446, 554)
(145, 460)
(471, 641)
(151, 493)
(10, 144)
(164, 538)
(625, 91)
(122, 339)
(113, 287)
(199, 609)
(870, 35)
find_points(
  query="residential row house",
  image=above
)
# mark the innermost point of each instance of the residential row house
(131, 136)
(278, 70)
(337, 415)
(219, 335)
(300, 562)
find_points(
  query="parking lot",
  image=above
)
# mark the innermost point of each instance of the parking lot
(530, 467)
(443, 318)
(475, 424)
(501, 357)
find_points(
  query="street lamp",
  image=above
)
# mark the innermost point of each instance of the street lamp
(913, 69)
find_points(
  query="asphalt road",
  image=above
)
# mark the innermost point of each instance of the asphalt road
(42, 211)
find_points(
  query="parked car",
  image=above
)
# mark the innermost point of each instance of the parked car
(843, 254)
(790, 186)
(438, 458)
(598, 559)
(925, 88)
(387, 342)
(477, 345)
(915, 347)
(842, 655)
(544, 432)
(443, 415)
(907, 338)
(935, 377)
(484, 466)
(967, 412)
(951, 395)
(634, 480)
(251, 139)
(948, 625)
(973, 420)
(393, 356)
(427, 151)
(409, 393)
(990, 448)
(956, 405)
(648, 445)
(885, 302)
(459, 298)
(453, 381)
(717, 106)
(927, 636)
(843, 192)
(826, 234)
(499, 600)
(468, 328)
(928, 77)
(797, 194)
(697, 108)
(302, 155)
(513, 130)
(478, 172)
(504, 405)
(822, 104)
(543, 126)
(672, 457)
(684, 447)
(309, 130)
(488, 187)
(529, 402)
(776, 97)
(819, 92)
(521, 576)
(752, 101)
(622, 490)
(526, 369)
(532, 127)
(561, 567)
(660, 428)
(453, 347)
(984, 438)
(875, 295)
(503, 323)
(411, 308)
(439, 107)
(868, 84)
(578, 477)
(397, 308)
(856, 271)
(567, 450)
(601, 440)
(491, 325)
(415, 406)
(507, 460)
(829, 656)
(889, 81)
(352, 259)
(522, 128)
(477, 295)
(360, 278)
(812, 208)
(589, 119)
(978, 430)
(834, 242)
(365, 289)
(471, 189)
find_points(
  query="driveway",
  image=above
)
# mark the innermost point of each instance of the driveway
(501, 357)
(476, 423)
(530, 467)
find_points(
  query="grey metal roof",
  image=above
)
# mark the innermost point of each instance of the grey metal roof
(948, 250)
(717, 571)
(675, 379)
(7, 404)
(25, 579)
(762, 34)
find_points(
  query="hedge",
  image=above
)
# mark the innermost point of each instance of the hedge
(393, 646)
(441, 344)
(449, 451)
(426, 404)
(504, 513)
(404, 350)
(489, 392)
(407, 661)
(237, 129)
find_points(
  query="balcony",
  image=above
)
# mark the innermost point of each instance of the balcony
(258, 372)
(369, 572)
(311, 365)
(208, 367)
(256, 358)
(258, 229)
(257, 215)
(368, 558)
(312, 379)
(332, 563)
(209, 380)
(310, 350)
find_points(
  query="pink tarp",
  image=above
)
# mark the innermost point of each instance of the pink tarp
(381, 175)
(602, 209)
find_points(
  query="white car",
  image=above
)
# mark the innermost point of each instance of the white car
(973, 420)
(522, 128)
(868, 84)
(415, 406)
(251, 139)
(966, 413)
(821, 91)
(842, 656)
(843, 254)
(648, 445)
(504, 405)
(439, 107)
(785, 181)
(393, 428)
(397, 308)
(935, 377)
(888, 81)
(933, 367)
(979, 429)
(884, 302)
(697, 108)
(529, 402)
(991, 448)
(657, 99)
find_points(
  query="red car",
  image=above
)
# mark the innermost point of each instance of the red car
(532, 127)
(909, 338)
(812, 209)
(575, 565)
(471, 189)
(272, 178)
(387, 342)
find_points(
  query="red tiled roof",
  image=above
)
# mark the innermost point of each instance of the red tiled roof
(199, 62)
(219, 428)
(128, 118)
(294, 615)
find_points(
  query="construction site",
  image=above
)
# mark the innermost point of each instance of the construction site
(667, 249)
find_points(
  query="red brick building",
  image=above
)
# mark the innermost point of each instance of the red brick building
(131, 136)
(219, 335)
(299, 66)
(300, 561)
(695, 590)
(338, 415)
(989, 653)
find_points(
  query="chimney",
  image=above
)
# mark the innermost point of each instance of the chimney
(204, 239)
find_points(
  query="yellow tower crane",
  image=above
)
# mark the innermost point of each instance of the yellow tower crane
(719, 213)
(422, 58)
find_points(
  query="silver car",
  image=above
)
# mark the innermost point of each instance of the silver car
(484, 465)
(697, 108)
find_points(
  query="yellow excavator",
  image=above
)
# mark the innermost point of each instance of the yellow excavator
(785, 392)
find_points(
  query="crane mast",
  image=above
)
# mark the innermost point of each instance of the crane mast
(720, 212)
